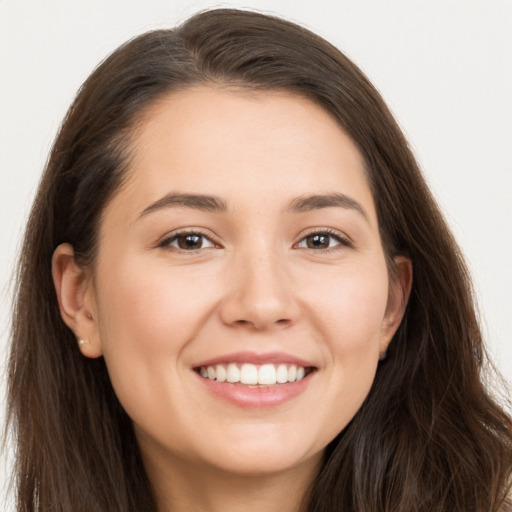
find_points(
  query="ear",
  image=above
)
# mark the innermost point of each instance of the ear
(398, 296)
(75, 294)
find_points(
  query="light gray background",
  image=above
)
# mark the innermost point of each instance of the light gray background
(443, 66)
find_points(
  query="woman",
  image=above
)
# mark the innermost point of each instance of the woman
(254, 302)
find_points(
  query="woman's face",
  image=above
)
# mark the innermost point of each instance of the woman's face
(243, 245)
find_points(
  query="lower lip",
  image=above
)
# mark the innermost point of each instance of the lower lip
(255, 397)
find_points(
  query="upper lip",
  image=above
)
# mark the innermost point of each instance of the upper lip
(256, 358)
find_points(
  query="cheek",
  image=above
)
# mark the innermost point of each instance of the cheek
(150, 307)
(349, 309)
(350, 316)
(148, 315)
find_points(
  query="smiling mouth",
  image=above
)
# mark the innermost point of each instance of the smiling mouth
(249, 374)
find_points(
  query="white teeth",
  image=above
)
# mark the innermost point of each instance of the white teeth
(233, 373)
(221, 373)
(248, 374)
(282, 374)
(267, 374)
(251, 375)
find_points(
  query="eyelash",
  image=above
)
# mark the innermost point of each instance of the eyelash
(341, 240)
(331, 233)
(166, 244)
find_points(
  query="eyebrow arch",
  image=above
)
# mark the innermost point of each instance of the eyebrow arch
(318, 201)
(196, 201)
(214, 204)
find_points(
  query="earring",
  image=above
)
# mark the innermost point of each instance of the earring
(383, 355)
(82, 342)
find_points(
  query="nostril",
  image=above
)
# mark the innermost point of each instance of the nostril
(242, 322)
(256, 325)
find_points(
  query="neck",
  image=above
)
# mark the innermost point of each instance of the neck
(185, 486)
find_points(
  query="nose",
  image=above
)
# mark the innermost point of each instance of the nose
(260, 293)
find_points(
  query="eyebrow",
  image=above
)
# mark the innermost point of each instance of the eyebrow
(319, 201)
(195, 201)
(214, 204)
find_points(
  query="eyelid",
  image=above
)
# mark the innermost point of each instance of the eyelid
(342, 238)
(164, 243)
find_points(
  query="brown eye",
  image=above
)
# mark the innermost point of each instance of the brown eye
(322, 240)
(189, 241)
(318, 241)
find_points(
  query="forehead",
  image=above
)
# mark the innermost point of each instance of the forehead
(244, 146)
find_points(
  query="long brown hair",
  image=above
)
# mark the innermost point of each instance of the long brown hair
(429, 437)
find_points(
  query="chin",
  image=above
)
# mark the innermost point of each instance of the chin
(266, 455)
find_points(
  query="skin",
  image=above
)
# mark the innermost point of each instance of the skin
(154, 311)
